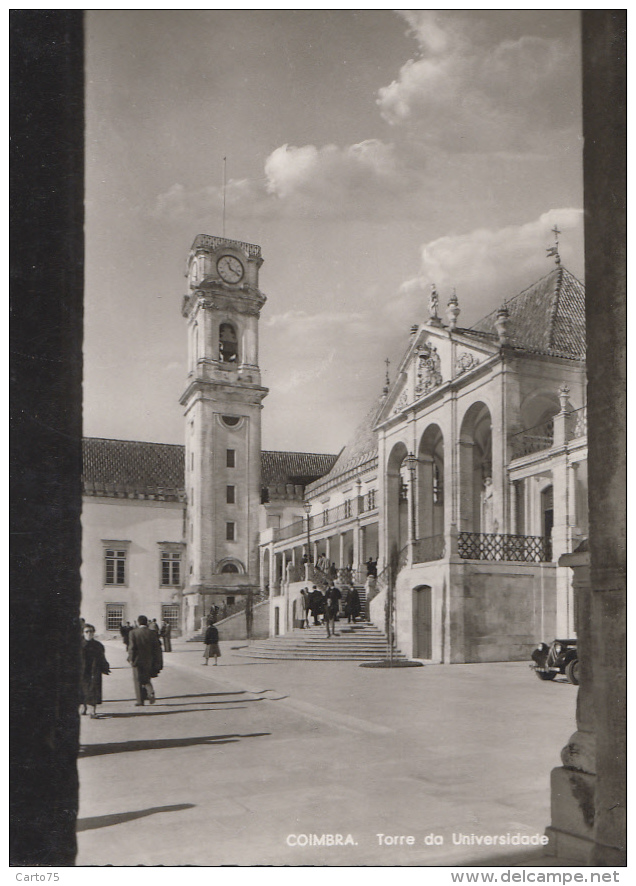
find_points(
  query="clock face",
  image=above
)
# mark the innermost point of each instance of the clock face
(230, 269)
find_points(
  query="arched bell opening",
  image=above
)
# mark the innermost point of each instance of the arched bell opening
(228, 343)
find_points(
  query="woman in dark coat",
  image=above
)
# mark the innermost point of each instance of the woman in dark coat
(93, 665)
(352, 606)
(211, 644)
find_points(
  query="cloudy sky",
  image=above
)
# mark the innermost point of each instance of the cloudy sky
(369, 153)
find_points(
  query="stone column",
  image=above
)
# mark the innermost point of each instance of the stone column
(357, 546)
(512, 486)
(464, 486)
(573, 785)
(341, 540)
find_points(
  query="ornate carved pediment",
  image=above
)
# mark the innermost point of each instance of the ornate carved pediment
(465, 361)
(402, 401)
(427, 369)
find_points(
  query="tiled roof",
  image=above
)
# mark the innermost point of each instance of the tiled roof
(297, 468)
(128, 467)
(547, 318)
(125, 467)
(362, 447)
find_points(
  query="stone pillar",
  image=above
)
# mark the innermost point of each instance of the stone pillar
(512, 486)
(341, 540)
(605, 172)
(561, 544)
(425, 498)
(464, 486)
(573, 785)
(272, 571)
(357, 547)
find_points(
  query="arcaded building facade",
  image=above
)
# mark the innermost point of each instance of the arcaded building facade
(467, 483)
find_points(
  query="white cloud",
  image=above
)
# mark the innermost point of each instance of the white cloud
(335, 182)
(487, 266)
(462, 94)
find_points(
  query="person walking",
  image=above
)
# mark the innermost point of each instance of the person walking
(93, 665)
(146, 659)
(211, 644)
(154, 626)
(164, 633)
(332, 604)
(352, 605)
(124, 630)
(315, 604)
(306, 604)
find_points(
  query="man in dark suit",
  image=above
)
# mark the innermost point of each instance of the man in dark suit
(146, 659)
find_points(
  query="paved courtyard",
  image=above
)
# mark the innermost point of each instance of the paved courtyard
(241, 764)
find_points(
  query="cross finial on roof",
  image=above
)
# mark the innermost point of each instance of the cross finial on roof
(554, 250)
(386, 384)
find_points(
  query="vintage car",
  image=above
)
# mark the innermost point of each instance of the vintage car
(561, 657)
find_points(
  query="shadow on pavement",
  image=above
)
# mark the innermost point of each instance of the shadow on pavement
(204, 695)
(147, 712)
(105, 821)
(158, 744)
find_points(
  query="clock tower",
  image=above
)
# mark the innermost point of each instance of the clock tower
(222, 403)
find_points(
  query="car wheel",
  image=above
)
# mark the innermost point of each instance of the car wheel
(572, 671)
(546, 675)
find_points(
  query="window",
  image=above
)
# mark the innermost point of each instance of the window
(231, 601)
(230, 531)
(230, 421)
(115, 566)
(230, 568)
(404, 491)
(230, 459)
(370, 499)
(114, 616)
(230, 495)
(325, 518)
(170, 568)
(347, 508)
(170, 613)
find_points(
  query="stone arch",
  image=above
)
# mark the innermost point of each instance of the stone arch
(430, 483)
(538, 407)
(397, 502)
(230, 565)
(475, 468)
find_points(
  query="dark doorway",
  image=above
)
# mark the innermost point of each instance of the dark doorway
(423, 645)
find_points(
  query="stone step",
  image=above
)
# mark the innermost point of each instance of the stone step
(360, 641)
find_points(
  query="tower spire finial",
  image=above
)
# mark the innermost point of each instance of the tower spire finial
(386, 383)
(554, 250)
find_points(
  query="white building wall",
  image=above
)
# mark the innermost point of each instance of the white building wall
(143, 524)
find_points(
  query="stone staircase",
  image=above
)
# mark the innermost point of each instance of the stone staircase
(353, 642)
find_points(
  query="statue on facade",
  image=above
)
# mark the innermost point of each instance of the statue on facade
(433, 304)
(488, 523)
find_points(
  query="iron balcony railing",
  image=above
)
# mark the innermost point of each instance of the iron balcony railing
(515, 548)
(577, 423)
(534, 439)
(291, 530)
(339, 514)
